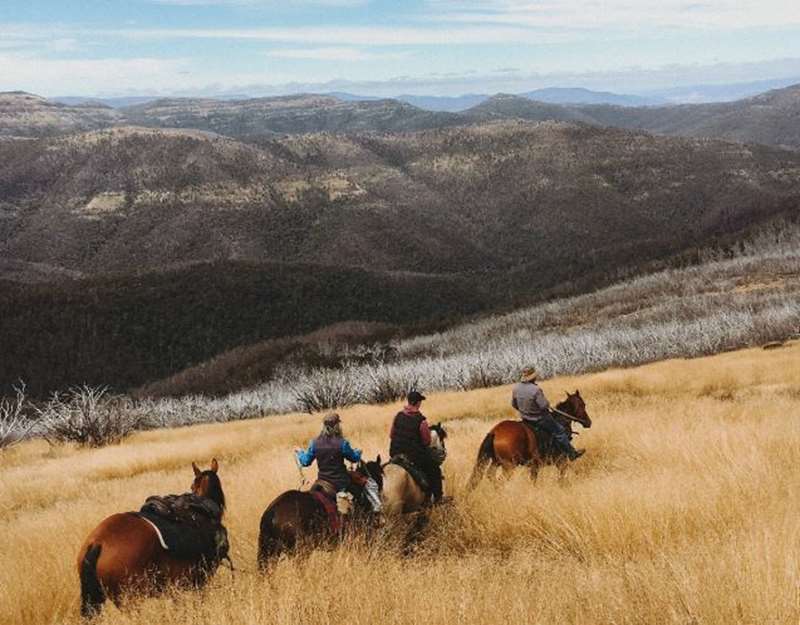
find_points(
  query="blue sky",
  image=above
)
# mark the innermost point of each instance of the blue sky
(120, 47)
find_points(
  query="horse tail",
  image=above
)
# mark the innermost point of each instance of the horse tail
(485, 457)
(268, 543)
(92, 595)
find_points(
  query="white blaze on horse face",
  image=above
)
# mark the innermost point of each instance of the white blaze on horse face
(437, 449)
(373, 495)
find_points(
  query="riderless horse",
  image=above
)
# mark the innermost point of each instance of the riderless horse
(511, 444)
(124, 554)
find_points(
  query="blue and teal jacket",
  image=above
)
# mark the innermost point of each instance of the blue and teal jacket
(330, 454)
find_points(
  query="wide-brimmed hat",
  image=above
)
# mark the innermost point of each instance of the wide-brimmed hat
(331, 419)
(529, 374)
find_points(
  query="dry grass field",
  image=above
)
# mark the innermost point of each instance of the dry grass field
(685, 509)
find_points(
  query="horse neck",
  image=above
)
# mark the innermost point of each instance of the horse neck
(214, 492)
(565, 406)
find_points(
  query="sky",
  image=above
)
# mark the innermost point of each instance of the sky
(390, 47)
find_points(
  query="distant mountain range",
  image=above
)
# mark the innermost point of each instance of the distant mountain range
(769, 118)
(451, 104)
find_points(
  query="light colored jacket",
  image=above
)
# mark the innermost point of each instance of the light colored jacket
(529, 400)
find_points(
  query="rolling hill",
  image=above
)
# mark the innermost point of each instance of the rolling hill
(27, 115)
(479, 198)
(195, 226)
(285, 115)
(772, 118)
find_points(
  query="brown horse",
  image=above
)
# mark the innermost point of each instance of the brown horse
(296, 517)
(123, 554)
(511, 444)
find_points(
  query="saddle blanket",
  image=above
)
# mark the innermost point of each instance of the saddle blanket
(329, 505)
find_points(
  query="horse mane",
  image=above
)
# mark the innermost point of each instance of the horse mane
(215, 491)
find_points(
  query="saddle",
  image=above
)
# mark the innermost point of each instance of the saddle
(417, 474)
(188, 526)
(544, 440)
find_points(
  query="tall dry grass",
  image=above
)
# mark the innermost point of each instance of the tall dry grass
(686, 509)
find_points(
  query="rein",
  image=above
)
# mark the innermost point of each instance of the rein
(567, 416)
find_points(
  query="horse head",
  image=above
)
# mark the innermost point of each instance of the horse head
(574, 406)
(438, 447)
(440, 435)
(372, 469)
(206, 484)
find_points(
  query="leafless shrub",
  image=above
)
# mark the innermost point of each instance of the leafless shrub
(15, 422)
(90, 417)
(324, 389)
(380, 384)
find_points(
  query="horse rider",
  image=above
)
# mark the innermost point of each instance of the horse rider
(330, 449)
(411, 437)
(528, 399)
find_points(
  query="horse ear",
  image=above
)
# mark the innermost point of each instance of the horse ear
(567, 392)
(577, 393)
(214, 465)
(195, 469)
(378, 459)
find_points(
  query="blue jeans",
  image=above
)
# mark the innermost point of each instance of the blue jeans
(556, 430)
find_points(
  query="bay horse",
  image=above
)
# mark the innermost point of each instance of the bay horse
(511, 444)
(401, 493)
(295, 517)
(124, 554)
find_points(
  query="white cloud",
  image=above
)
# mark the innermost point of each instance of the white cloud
(61, 76)
(357, 35)
(620, 14)
(334, 54)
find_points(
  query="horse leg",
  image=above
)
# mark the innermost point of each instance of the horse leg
(561, 465)
(415, 532)
(534, 466)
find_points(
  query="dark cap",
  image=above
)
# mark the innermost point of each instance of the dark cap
(414, 397)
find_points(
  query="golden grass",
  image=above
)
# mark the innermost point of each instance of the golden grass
(686, 509)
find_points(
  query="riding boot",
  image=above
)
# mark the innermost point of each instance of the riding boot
(565, 444)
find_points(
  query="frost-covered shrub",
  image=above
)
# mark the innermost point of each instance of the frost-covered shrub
(16, 423)
(90, 417)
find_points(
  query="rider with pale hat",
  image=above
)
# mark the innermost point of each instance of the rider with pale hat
(528, 399)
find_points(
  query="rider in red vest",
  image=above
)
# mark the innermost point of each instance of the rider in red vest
(411, 437)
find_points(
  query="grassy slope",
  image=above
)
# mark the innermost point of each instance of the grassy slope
(686, 508)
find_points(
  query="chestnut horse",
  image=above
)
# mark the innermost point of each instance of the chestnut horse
(123, 554)
(511, 444)
(296, 517)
